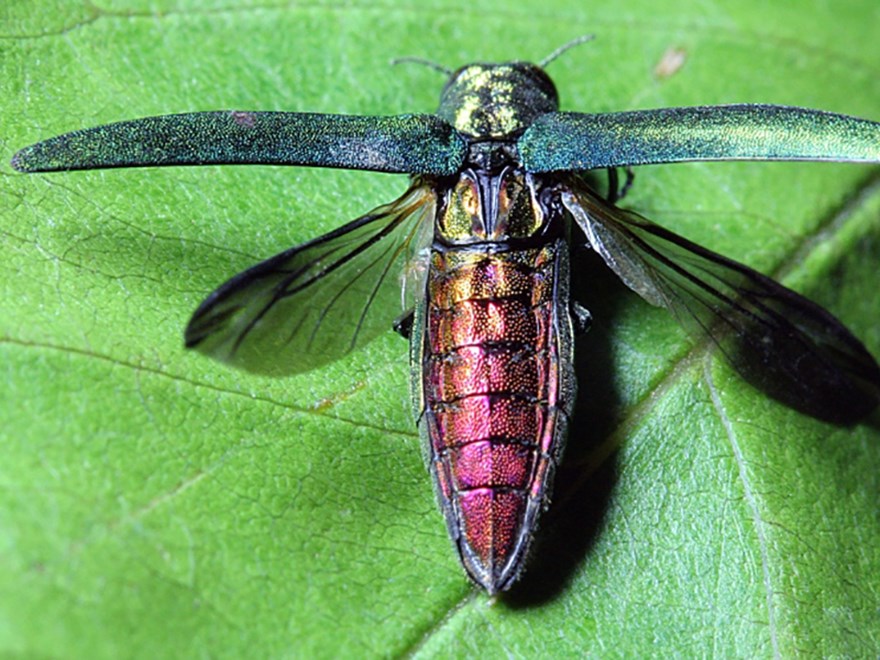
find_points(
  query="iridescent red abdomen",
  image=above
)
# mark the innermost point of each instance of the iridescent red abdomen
(496, 388)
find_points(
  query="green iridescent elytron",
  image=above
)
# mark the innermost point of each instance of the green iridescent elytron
(482, 239)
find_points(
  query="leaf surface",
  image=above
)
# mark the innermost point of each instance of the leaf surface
(157, 504)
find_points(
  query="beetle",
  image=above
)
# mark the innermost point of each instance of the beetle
(481, 236)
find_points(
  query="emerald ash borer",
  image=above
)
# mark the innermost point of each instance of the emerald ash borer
(480, 244)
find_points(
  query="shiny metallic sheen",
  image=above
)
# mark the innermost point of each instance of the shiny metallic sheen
(490, 208)
(493, 374)
(481, 237)
(497, 100)
(403, 143)
(555, 142)
(496, 387)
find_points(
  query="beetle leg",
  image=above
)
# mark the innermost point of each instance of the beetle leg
(581, 318)
(403, 324)
(615, 191)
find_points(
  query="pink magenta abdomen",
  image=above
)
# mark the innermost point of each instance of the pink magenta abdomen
(496, 390)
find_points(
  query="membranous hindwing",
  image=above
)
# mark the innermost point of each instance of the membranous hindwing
(316, 302)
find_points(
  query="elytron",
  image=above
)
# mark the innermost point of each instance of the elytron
(482, 240)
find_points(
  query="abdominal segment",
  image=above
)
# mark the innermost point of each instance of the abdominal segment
(496, 391)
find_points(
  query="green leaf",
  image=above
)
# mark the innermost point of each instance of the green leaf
(157, 504)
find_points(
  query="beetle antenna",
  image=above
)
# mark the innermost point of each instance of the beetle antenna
(584, 38)
(423, 62)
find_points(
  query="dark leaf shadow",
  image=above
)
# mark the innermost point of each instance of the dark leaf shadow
(580, 500)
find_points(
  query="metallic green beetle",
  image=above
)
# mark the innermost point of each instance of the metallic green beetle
(482, 238)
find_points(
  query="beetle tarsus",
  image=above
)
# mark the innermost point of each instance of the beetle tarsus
(403, 324)
(581, 318)
(616, 192)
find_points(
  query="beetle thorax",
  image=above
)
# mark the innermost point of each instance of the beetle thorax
(485, 207)
(497, 100)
